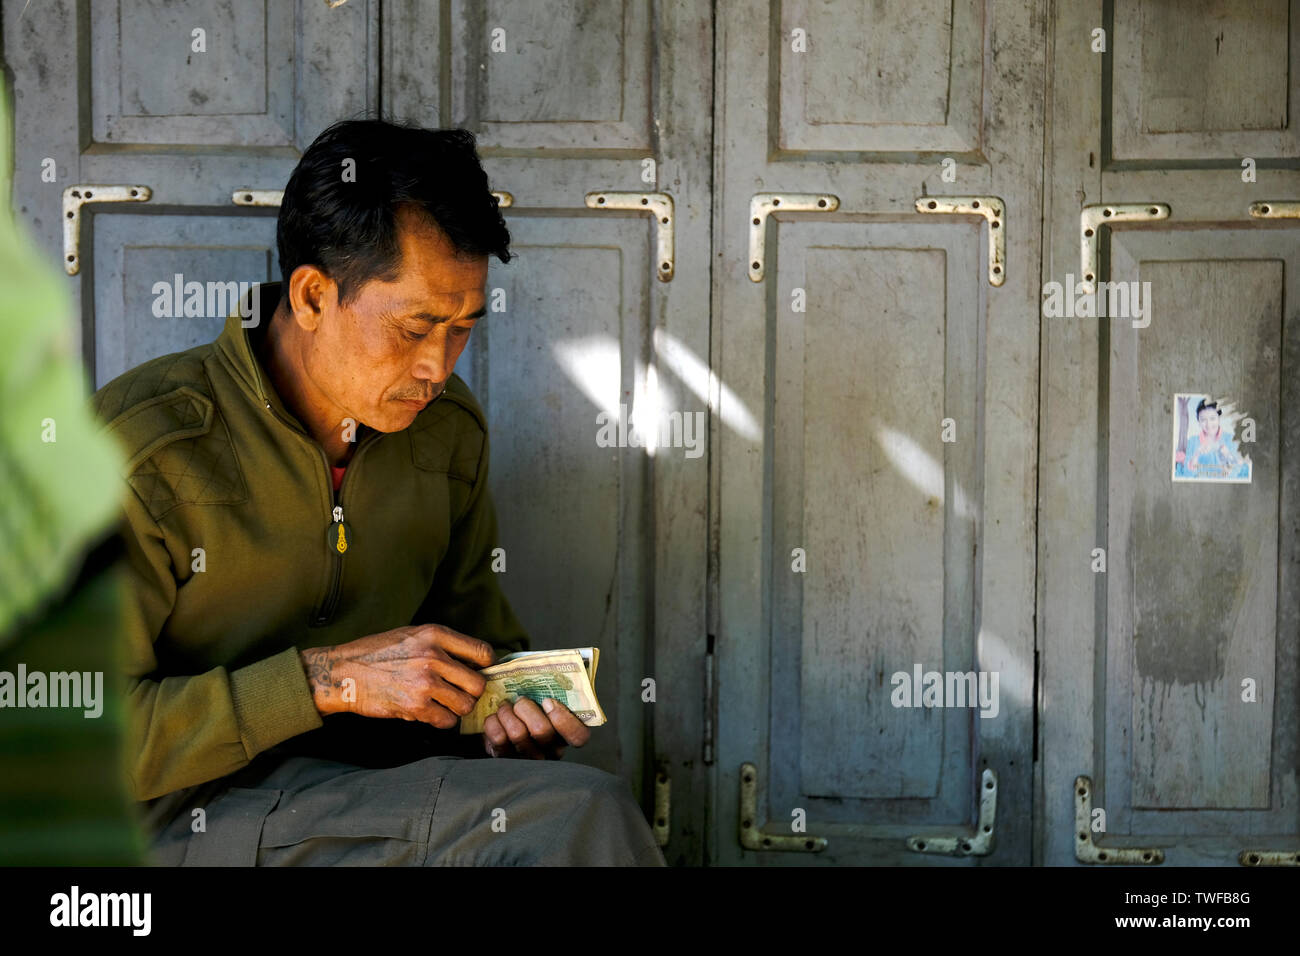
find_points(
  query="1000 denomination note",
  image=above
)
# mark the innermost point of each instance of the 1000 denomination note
(561, 675)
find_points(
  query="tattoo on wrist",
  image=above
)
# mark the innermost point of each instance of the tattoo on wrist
(320, 672)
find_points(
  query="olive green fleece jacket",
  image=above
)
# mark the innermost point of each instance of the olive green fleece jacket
(229, 506)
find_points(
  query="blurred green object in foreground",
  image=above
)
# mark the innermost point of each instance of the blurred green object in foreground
(63, 594)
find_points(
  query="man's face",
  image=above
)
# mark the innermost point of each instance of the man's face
(390, 351)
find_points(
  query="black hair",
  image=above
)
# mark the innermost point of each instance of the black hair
(341, 216)
(1204, 404)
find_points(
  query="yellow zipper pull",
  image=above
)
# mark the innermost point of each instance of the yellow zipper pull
(337, 536)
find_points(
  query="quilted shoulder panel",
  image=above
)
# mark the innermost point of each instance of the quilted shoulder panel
(152, 379)
(177, 446)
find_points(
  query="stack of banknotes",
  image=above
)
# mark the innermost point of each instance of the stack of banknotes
(568, 676)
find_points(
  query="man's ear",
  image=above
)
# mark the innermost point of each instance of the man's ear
(310, 292)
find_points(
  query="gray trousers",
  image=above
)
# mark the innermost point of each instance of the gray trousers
(439, 811)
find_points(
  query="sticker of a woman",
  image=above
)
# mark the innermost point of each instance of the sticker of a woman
(1205, 448)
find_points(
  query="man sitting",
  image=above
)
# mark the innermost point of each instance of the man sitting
(310, 538)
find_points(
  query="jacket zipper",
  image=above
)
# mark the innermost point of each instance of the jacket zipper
(336, 541)
(337, 534)
(337, 531)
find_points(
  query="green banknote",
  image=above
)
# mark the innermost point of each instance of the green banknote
(567, 676)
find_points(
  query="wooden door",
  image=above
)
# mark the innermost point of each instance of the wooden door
(594, 118)
(1169, 694)
(582, 109)
(892, 483)
(176, 107)
(875, 428)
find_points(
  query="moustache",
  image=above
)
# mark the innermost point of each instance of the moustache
(421, 397)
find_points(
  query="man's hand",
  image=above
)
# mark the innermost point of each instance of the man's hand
(523, 729)
(415, 673)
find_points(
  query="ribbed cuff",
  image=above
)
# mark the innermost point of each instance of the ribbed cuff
(273, 701)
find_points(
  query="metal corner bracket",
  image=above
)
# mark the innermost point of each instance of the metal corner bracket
(992, 209)
(273, 197)
(1269, 209)
(752, 836)
(1086, 851)
(659, 205)
(663, 806)
(1092, 218)
(977, 843)
(1268, 858)
(762, 205)
(74, 197)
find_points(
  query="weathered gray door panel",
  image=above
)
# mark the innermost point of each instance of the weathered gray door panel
(829, 424)
(137, 320)
(572, 514)
(120, 93)
(1192, 583)
(1144, 664)
(604, 545)
(572, 76)
(885, 511)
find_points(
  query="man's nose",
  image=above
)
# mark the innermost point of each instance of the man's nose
(433, 364)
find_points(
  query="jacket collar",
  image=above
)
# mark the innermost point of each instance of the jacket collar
(239, 344)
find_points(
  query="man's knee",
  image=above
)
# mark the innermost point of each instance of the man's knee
(581, 779)
(544, 813)
(605, 827)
